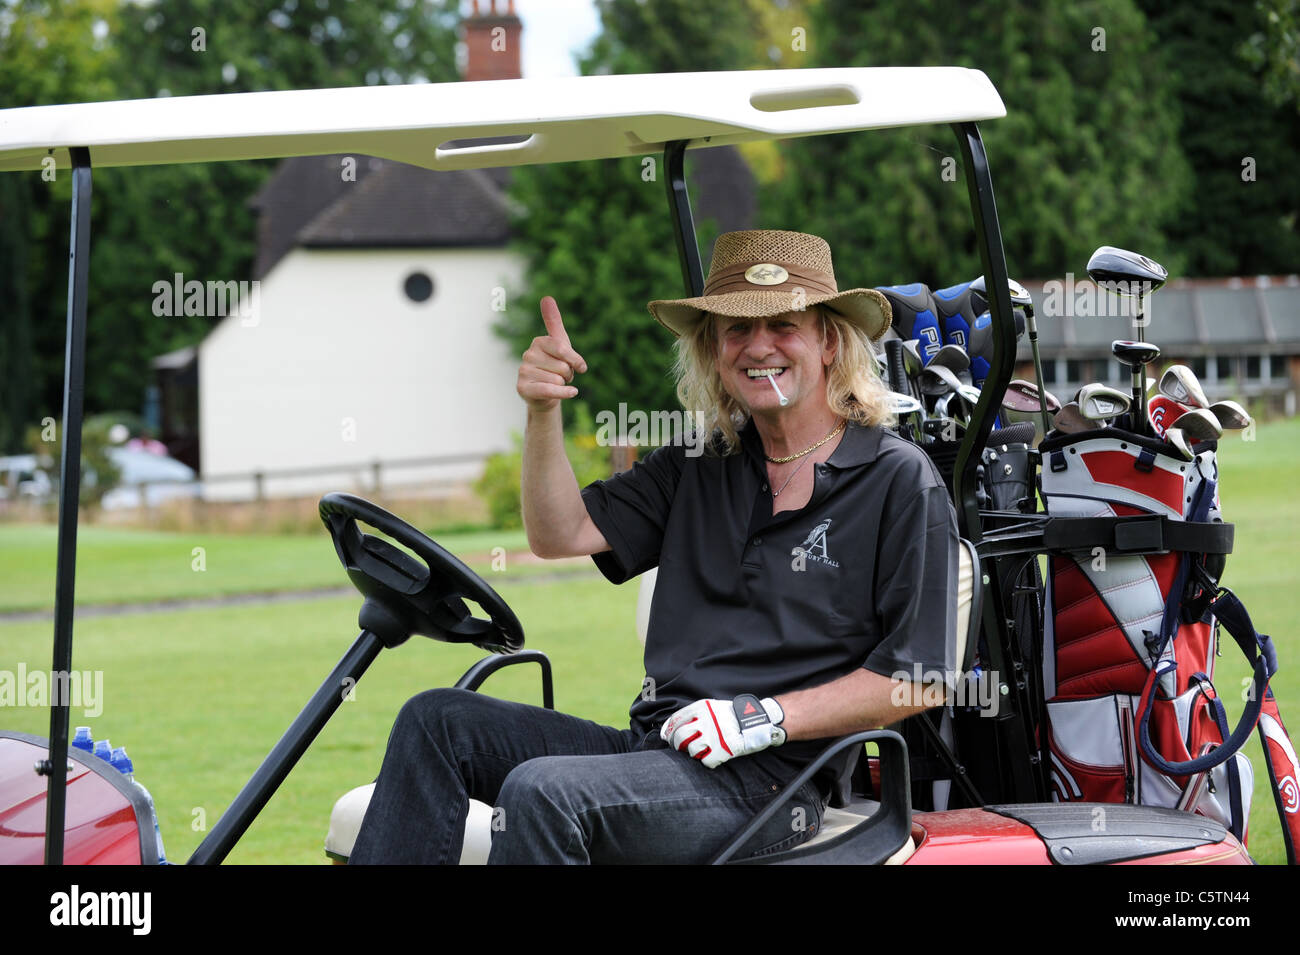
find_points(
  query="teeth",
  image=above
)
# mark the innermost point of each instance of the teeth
(763, 372)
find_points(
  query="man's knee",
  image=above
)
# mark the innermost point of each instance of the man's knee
(436, 714)
(537, 784)
(537, 815)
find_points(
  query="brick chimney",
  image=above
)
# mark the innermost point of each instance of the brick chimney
(492, 34)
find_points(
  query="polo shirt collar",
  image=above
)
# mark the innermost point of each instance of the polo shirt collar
(860, 445)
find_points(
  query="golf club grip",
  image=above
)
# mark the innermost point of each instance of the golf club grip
(894, 366)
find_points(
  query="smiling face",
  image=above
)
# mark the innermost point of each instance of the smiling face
(791, 346)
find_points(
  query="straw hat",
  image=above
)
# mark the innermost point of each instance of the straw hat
(760, 273)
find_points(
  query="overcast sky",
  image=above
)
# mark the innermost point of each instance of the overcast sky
(553, 31)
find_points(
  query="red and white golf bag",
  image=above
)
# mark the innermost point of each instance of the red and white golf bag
(1131, 626)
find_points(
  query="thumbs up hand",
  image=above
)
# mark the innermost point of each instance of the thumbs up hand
(550, 364)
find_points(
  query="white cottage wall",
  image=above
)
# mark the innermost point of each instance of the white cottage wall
(340, 367)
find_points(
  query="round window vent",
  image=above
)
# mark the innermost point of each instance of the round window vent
(418, 287)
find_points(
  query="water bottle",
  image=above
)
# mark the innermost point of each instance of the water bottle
(104, 750)
(122, 763)
(83, 740)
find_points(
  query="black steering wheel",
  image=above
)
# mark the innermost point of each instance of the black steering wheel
(405, 596)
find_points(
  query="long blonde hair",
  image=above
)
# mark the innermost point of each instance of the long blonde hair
(853, 388)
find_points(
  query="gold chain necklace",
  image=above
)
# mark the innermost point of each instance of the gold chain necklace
(786, 460)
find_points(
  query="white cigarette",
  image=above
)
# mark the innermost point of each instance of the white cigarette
(772, 381)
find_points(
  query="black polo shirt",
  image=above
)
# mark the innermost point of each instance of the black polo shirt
(750, 602)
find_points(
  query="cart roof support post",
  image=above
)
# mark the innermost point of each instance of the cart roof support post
(988, 238)
(74, 387)
(1015, 729)
(679, 204)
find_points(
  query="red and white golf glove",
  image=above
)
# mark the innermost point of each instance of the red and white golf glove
(714, 731)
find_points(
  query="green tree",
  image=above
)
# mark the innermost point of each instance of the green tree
(50, 52)
(1088, 128)
(1241, 219)
(1274, 47)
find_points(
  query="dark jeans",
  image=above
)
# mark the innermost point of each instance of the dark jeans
(566, 790)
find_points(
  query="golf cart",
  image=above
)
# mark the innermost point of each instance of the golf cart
(962, 787)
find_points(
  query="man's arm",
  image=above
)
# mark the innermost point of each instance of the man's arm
(555, 516)
(862, 700)
(714, 731)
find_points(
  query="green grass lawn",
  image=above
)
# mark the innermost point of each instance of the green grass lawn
(117, 566)
(199, 696)
(1257, 492)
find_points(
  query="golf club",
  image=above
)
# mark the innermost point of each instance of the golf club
(1175, 438)
(1098, 402)
(1179, 382)
(1199, 425)
(1136, 355)
(1231, 416)
(1129, 273)
(1070, 419)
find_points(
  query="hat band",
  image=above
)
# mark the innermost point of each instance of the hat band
(732, 279)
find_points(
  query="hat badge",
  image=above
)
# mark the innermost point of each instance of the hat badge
(765, 273)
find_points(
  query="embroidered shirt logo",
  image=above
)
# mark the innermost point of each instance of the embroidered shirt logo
(814, 547)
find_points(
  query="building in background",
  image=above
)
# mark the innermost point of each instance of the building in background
(1240, 336)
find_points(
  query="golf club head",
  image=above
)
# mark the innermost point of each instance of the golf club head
(967, 397)
(1070, 420)
(938, 379)
(1199, 424)
(1134, 355)
(913, 362)
(1022, 396)
(953, 357)
(902, 404)
(1126, 273)
(1179, 382)
(1098, 402)
(1011, 416)
(980, 297)
(1175, 438)
(1231, 416)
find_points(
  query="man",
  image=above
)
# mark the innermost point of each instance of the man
(804, 560)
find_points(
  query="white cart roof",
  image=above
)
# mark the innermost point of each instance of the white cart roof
(588, 117)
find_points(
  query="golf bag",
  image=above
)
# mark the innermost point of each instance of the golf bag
(1132, 619)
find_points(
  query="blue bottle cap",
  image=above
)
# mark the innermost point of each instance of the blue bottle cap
(122, 762)
(104, 750)
(83, 739)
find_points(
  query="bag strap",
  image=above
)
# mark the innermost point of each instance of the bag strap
(1237, 816)
(1149, 533)
(1284, 768)
(1257, 647)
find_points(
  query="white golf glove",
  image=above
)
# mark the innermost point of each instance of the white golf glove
(715, 731)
